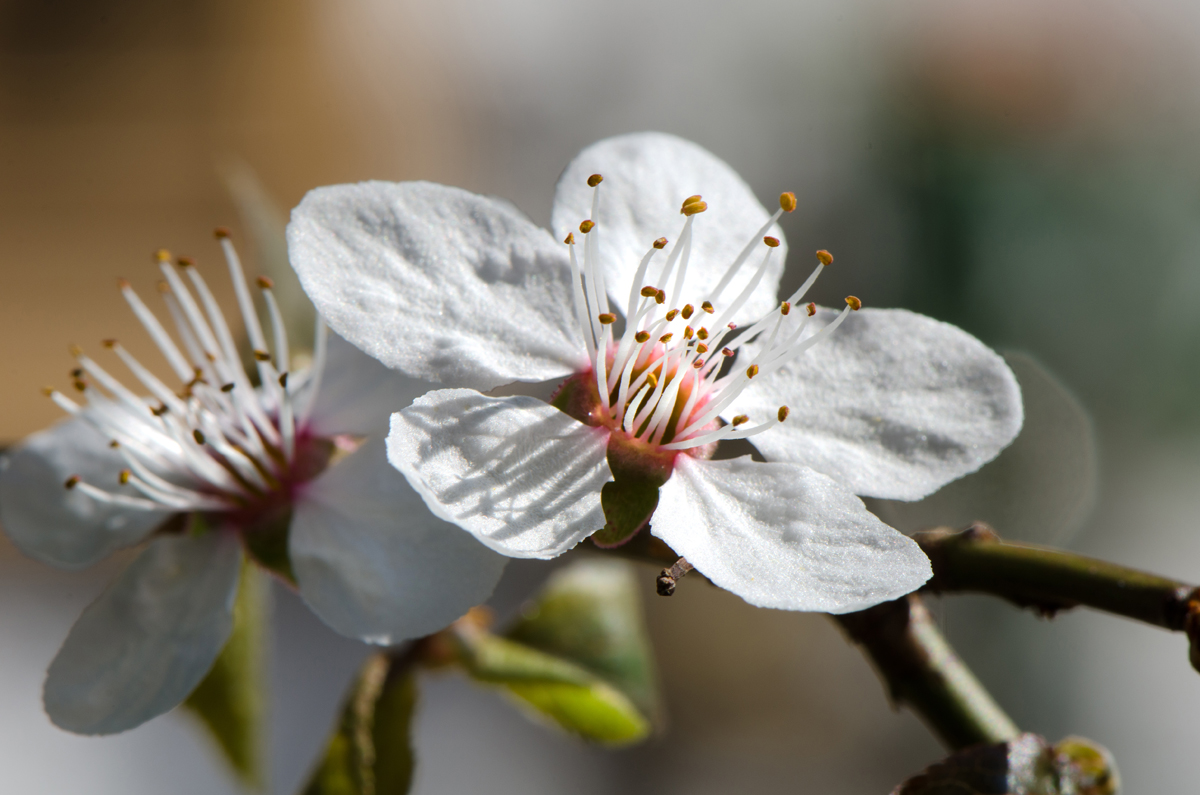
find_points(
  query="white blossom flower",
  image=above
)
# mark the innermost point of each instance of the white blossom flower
(213, 468)
(462, 290)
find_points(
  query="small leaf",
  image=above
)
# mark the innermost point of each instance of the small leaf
(1027, 765)
(590, 614)
(370, 752)
(566, 693)
(230, 700)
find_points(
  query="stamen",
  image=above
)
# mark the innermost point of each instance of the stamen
(824, 257)
(740, 419)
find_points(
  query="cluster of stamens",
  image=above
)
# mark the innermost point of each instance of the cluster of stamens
(665, 381)
(217, 443)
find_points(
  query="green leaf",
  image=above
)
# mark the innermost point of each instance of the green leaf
(1027, 765)
(230, 700)
(590, 614)
(568, 694)
(370, 752)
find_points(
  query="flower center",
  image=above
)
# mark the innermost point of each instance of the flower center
(664, 381)
(217, 444)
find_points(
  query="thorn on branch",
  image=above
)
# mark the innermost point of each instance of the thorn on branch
(668, 577)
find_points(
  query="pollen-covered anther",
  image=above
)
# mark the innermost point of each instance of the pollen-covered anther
(672, 314)
(701, 348)
(787, 201)
(853, 303)
(606, 318)
(698, 363)
(162, 255)
(228, 387)
(649, 292)
(752, 371)
(785, 308)
(72, 482)
(727, 352)
(569, 239)
(262, 356)
(587, 226)
(652, 380)
(198, 435)
(773, 242)
(688, 311)
(48, 391)
(665, 338)
(702, 333)
(80, 385)
(783, 413)
(661, 296)
(693, 205)
(222, 232)
(594, 180)
(739, 420)
(661, 243)
(109, 343)
(123, 284)
(642, 336)
(811, 309)
(688, 333)
(265, 282)
(114, 444)
(123, 478)
(824, 257)
(707, 307)
(185, 262)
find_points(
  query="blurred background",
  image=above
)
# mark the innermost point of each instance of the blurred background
(1027, 170)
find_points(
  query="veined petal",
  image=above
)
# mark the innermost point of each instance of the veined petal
(357, 393)
(517, 473)
(374, 563)
(646, 178)
(784, 536)
(894, 404)
(437, 282)
(62, 527)
(148, 640)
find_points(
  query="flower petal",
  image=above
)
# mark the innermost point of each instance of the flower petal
(357, 393)
(646, 178)
(438, 282)
(61, 527)
(372, 561)
(894, 405)
(148, 640)
(518, 474)
(784, 536)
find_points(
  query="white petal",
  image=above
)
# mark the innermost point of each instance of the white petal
(357, 393)
(646, 178)
(149, 639)
(61, 527)
(518, 474)
(893, 404)
(438, 282)
(372, 561)
(784, 536)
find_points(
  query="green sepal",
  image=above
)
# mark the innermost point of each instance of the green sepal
(230, 699)
(1027, 765)
(267, 543)
(589, 613)
(628, 506)
(370, 752)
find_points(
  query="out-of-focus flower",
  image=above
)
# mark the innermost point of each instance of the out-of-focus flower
(461, 289)
(292, 471)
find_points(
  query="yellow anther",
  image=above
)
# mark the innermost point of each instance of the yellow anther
(740, 419)
(698, 363)
(185, 262)
(652, 379)
(785, 308)
(707, 307)
(660, 297)
(72, 482)
(110, 344)
(114, 444)
(221, 232)
(702, 333)
(693, 206)
(752, 371)
(688, 309)
(787, 201)
(773, 242)
(569, 239)
(811, 309)
(198, 436)
(123, 478)
(262, 356)
(75, 350)
(587, 226)
(80, 385)
(661, 243)
(854, 303)
(824, 257)
(642, 336)
(607, 318)
(48, 391)
(649, 292)
(265, 283)
(665, 338)
(594, 180)
(701, 348)
(783, 413)
(162, 255)
(671, 314)
(687, 332)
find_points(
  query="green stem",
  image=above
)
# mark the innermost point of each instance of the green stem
(921, 671)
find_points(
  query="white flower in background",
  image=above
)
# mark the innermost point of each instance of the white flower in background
(461, 289)
(210, 469)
